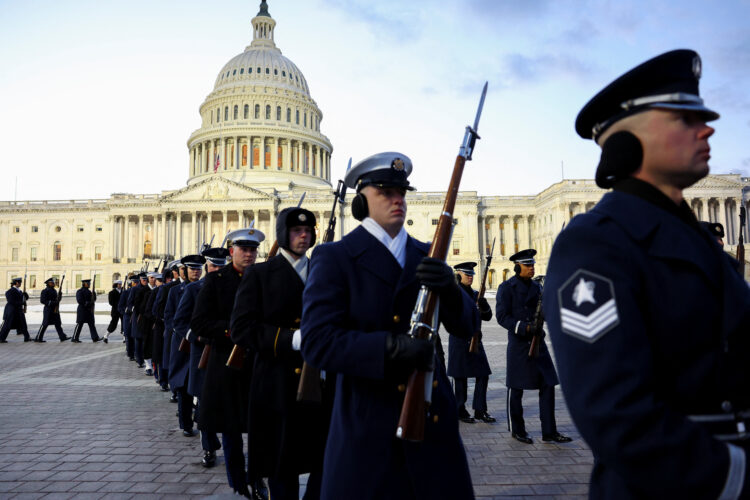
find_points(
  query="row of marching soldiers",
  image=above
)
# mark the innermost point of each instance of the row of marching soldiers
(354, 294)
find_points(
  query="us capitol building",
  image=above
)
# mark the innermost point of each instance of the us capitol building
(258, 149)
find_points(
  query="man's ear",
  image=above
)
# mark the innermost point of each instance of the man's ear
(622, 154)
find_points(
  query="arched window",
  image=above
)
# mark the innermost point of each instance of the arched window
(268, 112)
(257, 111)
(235, 112)
(218, 115)
(278, 113)
(288, 114)
(246, 112)
(226, 113)
(297, 117)
(57, 251)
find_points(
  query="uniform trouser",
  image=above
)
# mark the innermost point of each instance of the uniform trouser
(92, 330)
(138, 350)
(129, 344)
(234, 459)
(287, 488)
(5, 330)
(546, 410)
(479, 404)
(112, 325)
(43, 328)
(184, 409)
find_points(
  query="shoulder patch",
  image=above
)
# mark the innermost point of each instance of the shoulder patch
(588, 308)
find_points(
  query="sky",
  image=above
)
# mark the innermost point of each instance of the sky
(101, 97)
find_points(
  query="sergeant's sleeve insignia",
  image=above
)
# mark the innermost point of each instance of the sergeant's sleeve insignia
(588, 308)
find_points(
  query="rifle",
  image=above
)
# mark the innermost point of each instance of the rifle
(203, 363)
(741, 244)
(237, 357)
(184, 345)
(24, 289)
(59, 295)
(308, 388)
(538, 324)
(424, 318)
(93, 293)
(474, 344)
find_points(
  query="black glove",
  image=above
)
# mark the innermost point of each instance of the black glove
(435, 274)
(403, 353)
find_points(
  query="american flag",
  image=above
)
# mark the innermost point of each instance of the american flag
(216, 164)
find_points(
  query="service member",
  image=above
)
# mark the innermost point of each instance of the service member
(157, 312)
(13, 315)
(114, 299)
(162, 342)
(224, 399)
(517, 300)
(85, 312)
(51, 314)
(135, 336)
(462, 363)
(125, 308)
(647, 315)
(286, 438)
(357, 302)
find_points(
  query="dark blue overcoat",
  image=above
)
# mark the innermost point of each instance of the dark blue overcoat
(167, 318)
(515, 308)
(356, 293)
(13, 312)
(48, 297)
(122, 306)
(461, 362)
(650, 324)
(195, 376)
(179, 362)
(85, 309)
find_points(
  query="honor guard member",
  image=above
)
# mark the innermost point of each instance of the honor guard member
(114, 300)
(135, 336)
(139, 321)
(358, 298)
(126, 312)
(286, 438)
(148, 320)
(516, 306)
(716, 230)
(462, 363)
(13, 315)
(179, 361)
(648, 317)
(216, 258)
(51, 315)
(85, 312)
(162, 337)
(173, 300)
(157, 312)
(224, 399)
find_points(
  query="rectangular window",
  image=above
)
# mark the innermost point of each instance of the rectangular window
(456, 247)
(57, 251)
(32, 280)
(455, 221)
(434, 222)
(34, 229)
(79, 229)
(16, 229)
(14, 254)
(33, 256)
(97, 253)
(79, 253)
(78, 281)
(99, 229)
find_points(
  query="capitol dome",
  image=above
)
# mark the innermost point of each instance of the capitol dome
(260, 126)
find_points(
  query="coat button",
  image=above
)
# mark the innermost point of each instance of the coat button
(726, 406)
(401, 387)
(297, 321)
(435, 418)
(298, 370)
(396, 318)
(434, 384)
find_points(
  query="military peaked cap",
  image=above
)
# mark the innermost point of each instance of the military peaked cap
(382, 170)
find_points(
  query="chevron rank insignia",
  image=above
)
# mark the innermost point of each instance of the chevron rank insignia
(588, 308)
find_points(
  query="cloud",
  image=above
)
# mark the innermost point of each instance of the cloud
(500, 10)
(398, 22)
(520, 68)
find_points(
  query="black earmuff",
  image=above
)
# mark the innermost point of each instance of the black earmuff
(517, 269)
(622, 154)
(359, 206)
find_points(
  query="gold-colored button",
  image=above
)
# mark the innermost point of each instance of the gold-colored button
(298, 370)
(434, 383)
(396, 318)
(435, 418)
(297, 320)
(226, 331)
(401, 387)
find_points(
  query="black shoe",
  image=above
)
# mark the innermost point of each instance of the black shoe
(141, 365)
(524, 438)
(173, 399)
(556, 438)
(37, 340)
(464, 416)
(149, 372)
(164, 388)
(131, 358)
(209, 459)
(259, 491)
(106, 341)
(190, 433)
(76, 341)
(484, 417)
(64, 339)
(3, 341)
(28, 339)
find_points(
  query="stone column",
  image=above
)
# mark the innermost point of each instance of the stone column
(224, 214)
(178, 243)
(275, 153)
(723, 212)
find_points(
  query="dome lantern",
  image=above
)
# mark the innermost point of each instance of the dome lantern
(263, 25)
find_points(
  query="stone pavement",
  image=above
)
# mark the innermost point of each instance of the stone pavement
(81, 421)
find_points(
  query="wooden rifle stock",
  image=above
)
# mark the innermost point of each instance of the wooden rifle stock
(534, 348)
(184, 346)
(203, 363)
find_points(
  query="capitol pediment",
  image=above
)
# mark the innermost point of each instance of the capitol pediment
(217, 188)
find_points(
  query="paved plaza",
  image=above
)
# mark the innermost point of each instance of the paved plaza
(81, 421)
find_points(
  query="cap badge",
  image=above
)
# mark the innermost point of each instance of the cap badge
(697, 66)
(251, 232)
(302, 217)
(397, 164)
